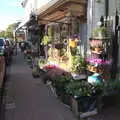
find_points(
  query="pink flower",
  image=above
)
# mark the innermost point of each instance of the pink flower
(99, 61)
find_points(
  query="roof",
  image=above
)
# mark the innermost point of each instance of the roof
(55, 4)
(46, 6)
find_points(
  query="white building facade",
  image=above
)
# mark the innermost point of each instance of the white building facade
(30, 6)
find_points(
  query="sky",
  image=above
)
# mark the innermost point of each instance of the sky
(11, 11)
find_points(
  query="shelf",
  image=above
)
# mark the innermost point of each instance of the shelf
(99, 38)
(91, 71)
(94, 71)
(97, 52)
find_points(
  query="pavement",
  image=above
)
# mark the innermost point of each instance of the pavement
(27, 98)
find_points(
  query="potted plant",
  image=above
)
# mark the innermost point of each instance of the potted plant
(59, 83)
(83, 96)
(79, 64)
(38, 64)
(100, 32)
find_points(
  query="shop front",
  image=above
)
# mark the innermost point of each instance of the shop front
(65, 31)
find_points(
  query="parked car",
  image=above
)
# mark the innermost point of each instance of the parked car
(5, 49)
(2, 47)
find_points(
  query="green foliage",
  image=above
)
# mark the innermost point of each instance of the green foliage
(112, 86)
(60, 82)
(46, 40)
(78, 64)
(61, 79)
(41, 62)
(2, 34)
(9, 31)
(101, 30)
(83, 88)
(62, 51)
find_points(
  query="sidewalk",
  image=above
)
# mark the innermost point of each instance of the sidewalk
(28, 98)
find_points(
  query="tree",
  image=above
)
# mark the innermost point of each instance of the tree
(2, 34)
(9, 30)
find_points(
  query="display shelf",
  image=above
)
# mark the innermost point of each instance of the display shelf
(97, 52)
(95, 70)
(99, 38)
(99, 45)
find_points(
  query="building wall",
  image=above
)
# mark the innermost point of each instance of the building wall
(113, 5)
(94, 11)
(99, 10)
(31, 6)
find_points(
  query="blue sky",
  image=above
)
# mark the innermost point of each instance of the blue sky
(10, 11)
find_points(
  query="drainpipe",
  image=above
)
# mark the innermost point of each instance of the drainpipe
(106, 8)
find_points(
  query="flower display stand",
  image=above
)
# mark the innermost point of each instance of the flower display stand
(100, 58)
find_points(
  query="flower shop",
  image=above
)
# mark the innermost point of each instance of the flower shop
(64, 21)
(83, 82)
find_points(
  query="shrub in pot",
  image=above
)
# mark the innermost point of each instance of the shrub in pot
(83, 96)
(59, 83)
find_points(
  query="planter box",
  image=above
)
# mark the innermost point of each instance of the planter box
(65, 98)
(89, 113)
(84, 106)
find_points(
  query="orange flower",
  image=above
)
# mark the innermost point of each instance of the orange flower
(72, 43)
